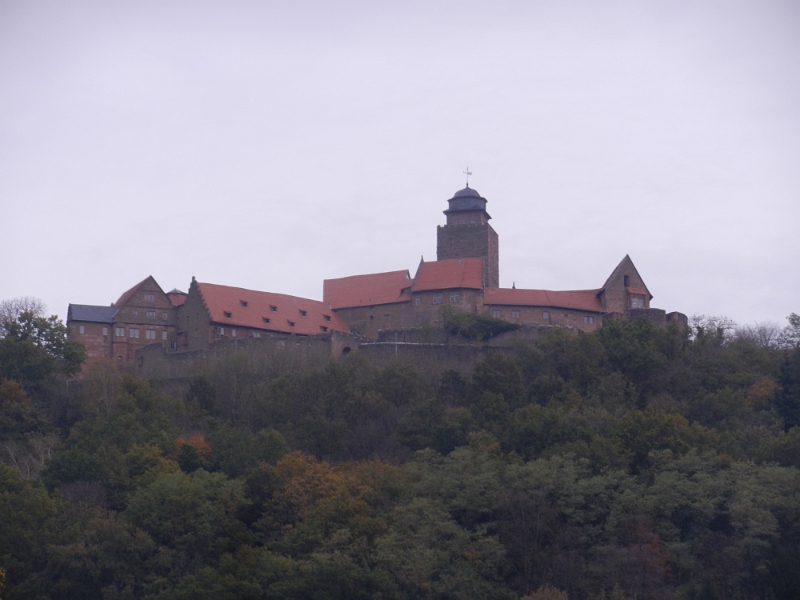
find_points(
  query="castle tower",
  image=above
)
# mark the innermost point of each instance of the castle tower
(468, 234)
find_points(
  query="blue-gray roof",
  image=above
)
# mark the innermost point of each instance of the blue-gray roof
(466, 199)
(92, 314)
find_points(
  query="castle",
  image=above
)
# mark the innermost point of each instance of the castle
(465, 276)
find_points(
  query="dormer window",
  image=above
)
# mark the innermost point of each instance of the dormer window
(323, 328)
(328, 318)
(228, 315)
(244, 303)
(266, 320)
(291, 323)
(274, 308)
(303, 313)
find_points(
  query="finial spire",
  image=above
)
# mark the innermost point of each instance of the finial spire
(468, 173)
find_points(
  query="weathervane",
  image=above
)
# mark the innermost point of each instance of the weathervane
(468, 173)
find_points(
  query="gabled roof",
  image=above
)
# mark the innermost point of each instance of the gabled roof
(125, 298)
(177, 297)
(574, 299)
(367, 290)
(626, 264)
(249, 308)
(91, 314)
(449, 274)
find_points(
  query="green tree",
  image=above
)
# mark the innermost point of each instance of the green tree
(33, 347)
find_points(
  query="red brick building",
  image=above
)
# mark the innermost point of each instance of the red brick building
(465, 276)
(142, 316)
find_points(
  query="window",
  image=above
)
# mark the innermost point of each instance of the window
(303, 313)
(149, 334)
(515, 314)
(323, 328)
(81, 329)
(437, 298)
(545, 315)
(244, 303)
(274, 308)
(453, 297)
(135, 313)
(637, 302)
(588, 319)
(151, 314)
(495, 313)
(227, 314)
(149, 298)
(105, 330)
(164, 316)
(222, 331)
(134, 333)
(266, 320)
(328, 318)
(566, 315)
(291, 323)
(257, 334)
(233, 332)
(119, 331)
(163, 335)
(625, 281)
(416, 300)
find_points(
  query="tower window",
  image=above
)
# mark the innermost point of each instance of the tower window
(625, 280)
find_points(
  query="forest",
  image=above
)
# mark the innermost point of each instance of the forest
(630, 463)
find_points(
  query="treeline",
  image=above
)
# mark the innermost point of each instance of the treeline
(630, 463)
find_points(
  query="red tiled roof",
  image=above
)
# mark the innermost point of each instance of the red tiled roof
(222, 299)
(639, 291)
(576, 299)
(449, 274)
(367, 290)
(129, 294)
(177, 298)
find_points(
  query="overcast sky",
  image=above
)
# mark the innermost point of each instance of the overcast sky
(271, 145)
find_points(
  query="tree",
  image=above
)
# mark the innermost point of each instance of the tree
(33, 347)
(787, 400)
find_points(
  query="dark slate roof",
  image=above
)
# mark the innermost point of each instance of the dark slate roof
(466, 199)
(92, 314)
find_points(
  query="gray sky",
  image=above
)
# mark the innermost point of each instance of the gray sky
(271, 145)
